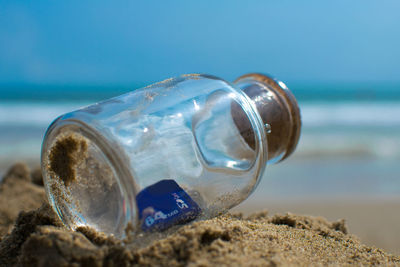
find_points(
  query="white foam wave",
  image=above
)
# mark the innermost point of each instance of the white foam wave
(33, 114)
(313, 114)
(351, 114)
(355, 144)
(375, 127)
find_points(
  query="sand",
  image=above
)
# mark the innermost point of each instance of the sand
(31, 235)
(65, 155)
(374, 220)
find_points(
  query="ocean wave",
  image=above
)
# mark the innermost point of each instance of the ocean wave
(33, 114)
(313, 114)
(329, 130)
(356, 144)
(351, 114)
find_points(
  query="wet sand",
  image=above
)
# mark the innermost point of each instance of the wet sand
(35, 237)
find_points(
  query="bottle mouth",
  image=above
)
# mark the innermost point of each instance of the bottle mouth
(85, 181)
(279, 111)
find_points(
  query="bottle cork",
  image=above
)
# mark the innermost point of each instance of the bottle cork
(278, 109)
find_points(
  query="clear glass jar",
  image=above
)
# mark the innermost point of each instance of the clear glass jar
(184, 148)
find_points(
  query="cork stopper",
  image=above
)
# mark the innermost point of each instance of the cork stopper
(279, 111)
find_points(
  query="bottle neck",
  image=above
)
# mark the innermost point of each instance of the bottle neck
(279, 111)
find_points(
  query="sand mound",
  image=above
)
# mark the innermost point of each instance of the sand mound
(37, 238)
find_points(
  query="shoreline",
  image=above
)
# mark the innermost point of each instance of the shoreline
(35, 237)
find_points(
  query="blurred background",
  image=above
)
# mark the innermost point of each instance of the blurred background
(341, 59)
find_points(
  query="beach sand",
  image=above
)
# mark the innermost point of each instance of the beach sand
(374, 220)
(31, 235)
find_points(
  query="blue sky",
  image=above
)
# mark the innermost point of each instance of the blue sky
(120, 42)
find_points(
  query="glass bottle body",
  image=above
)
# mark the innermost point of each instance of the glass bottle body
(103, 162)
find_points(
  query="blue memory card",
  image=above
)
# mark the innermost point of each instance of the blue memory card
(165, 204)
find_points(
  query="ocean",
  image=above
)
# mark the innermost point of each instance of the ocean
(349, 146)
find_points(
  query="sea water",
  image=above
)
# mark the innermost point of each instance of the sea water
(346, 147)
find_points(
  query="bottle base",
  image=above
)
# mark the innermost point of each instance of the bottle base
(83, 183)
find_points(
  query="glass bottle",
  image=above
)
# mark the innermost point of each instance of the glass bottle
(184, 148)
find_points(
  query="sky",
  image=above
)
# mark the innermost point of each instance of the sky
(122, 42)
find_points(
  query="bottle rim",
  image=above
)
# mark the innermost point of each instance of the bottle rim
(123, 176)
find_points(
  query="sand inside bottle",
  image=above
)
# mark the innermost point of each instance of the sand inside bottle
(83, 185)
